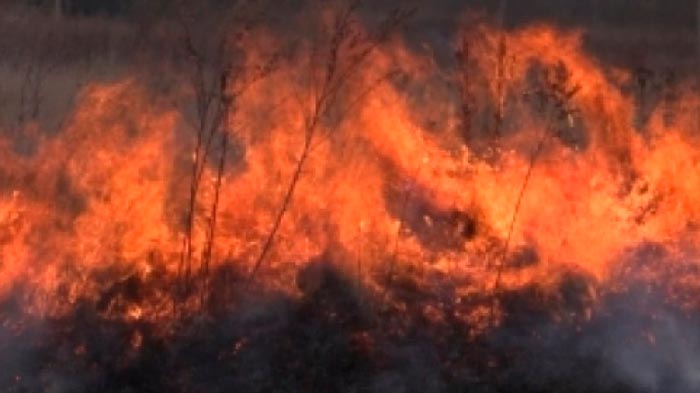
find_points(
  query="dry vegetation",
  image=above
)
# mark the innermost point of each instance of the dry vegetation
(251, 291)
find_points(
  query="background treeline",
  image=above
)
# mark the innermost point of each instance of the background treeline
(49, 49)
(671, 14)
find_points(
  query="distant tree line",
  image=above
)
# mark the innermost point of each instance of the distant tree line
(108, 7)
(85, 7)
(637, 13)
(659, 13)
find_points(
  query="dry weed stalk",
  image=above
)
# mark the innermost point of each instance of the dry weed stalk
(555, 98)
(501, 59)
(218, 76)
(37, 69)
(340, 59)
(467, 99)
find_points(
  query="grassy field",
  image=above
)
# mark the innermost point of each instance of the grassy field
(394, 251)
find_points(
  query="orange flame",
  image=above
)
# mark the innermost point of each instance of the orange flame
(100, 202)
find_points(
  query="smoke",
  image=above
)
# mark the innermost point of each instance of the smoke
(381, 267)
(666, 361)
(652, 341)
(635, 340)
(583, 337)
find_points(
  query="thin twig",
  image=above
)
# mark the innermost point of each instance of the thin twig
(511, 226)
(324, 95)
(206, 260)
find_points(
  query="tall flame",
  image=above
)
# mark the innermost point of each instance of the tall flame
(101, 201)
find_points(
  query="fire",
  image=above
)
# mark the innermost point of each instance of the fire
(570, 184)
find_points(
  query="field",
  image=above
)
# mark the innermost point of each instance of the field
(340, 196)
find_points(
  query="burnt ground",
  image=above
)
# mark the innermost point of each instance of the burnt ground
(335, 338)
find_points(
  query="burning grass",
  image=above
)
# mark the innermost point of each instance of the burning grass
(343, 213)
